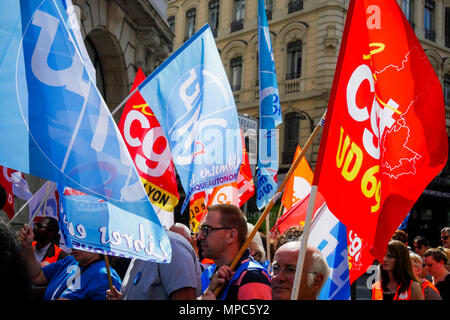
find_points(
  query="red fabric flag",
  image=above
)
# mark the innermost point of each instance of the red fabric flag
(384, 138)
(149, 149)
(197, 210)
(6, 183)
(246, 186)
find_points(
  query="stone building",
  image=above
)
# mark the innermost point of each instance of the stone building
(306, 36)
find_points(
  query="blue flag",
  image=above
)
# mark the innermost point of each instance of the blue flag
(269, 114)
(329, 235)
(192, 100)
(57, 126)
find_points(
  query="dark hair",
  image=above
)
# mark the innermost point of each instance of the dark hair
(231, 216)
(53, 226)
(400, 235)
(422, 241)
(402, 271)
(292, 234)
(14, 278)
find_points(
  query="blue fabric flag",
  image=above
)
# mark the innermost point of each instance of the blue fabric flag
(57, 126)
(329, 235)
(192, 100)
(269, 113)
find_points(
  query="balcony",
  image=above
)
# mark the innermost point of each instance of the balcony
(237, 25)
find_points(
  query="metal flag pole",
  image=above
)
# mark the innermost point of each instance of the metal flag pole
(124, 101)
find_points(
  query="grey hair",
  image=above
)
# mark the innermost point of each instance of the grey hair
(415, 257)
(446, 229)
(319, 266)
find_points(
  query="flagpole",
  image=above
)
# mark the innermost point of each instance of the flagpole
(268, 237)
(304, 242)
(24, 206)
(274, 199)
(124, 101)
(42, 202)
(108, 271)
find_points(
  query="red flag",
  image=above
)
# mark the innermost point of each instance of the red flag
(384, 138)
(296, 215)
(149, 149)
(246, 186)
(6, 183)
(197, 210)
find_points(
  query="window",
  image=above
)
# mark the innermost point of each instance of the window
(190, 23)
(214, 16)
(269, 8)
(95, 59)
(447, 89)
(171, 22)
(294, 60)
(291, 129)
(236, 73)
(429, 17)
(447, 27)
(295, 5)
(408, 11)
(238, 15)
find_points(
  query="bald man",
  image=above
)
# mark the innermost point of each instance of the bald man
(315, 272)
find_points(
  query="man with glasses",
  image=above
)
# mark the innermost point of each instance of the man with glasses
(222, 233)
(46, 240)
(315, 272)
(444, 237)
(421, 245)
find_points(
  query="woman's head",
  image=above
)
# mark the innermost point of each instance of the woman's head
(398, 263)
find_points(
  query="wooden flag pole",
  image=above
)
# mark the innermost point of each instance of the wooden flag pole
(274, 199)
(108, 271)
(304, 242)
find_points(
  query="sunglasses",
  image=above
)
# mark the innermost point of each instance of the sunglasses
(418, 246)
(444, 237)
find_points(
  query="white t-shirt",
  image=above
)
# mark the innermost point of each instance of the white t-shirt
(39, 254)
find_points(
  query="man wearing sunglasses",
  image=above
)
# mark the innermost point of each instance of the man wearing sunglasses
(222, 233)
(421, 245)
(444, 237)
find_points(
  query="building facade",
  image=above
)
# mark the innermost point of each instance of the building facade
(306, 37)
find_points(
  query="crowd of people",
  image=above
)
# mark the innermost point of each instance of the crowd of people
(200, 269)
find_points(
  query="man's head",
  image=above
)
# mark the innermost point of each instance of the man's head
(222, 232)
(435, 261)
(181, 229)
(314, 275)
(445, 233)
(256, 246)
(85, 258)
(45, 230)
(401, 236)
(421, 245)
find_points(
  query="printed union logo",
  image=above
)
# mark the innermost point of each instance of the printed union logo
(201, 103)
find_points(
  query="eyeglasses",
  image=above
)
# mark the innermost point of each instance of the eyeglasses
(418, 246)
(444, 237)
(40, 226)
(205, 229)
(288, 270)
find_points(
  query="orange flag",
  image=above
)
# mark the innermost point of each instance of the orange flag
(298, 186)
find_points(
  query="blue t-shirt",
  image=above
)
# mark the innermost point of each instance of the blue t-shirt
(66, 279)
